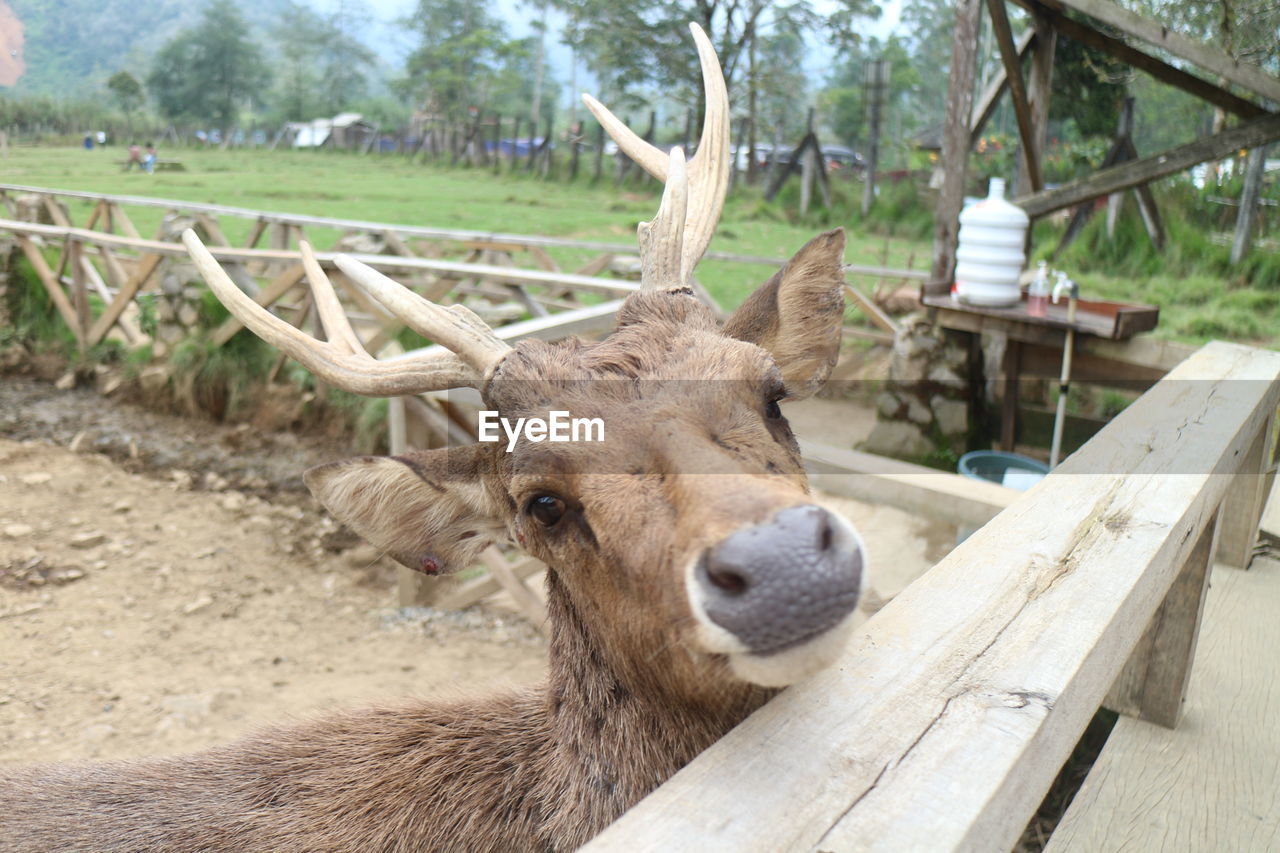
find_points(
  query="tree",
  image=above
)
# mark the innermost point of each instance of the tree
(323, 64)
(209, 72)
(128, 94)
(460, 50)
(646, 41)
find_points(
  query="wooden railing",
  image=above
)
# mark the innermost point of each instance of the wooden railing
(944, 724)
(282, 230)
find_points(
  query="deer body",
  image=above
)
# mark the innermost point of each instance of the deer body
(543, 769)
(689, 573)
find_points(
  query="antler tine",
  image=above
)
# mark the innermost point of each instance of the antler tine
(708, 171)
(337, 328)
(456, 328)
(649, 156)
(332, 362)
(662, 238)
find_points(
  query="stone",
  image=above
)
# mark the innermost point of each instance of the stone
(66, 381)
(924, 343)
(360, 244)
(918, 412)
(952, 415)
(98, 732)
(944, 375)
(888, 406)
(899, 439)
(361, 556)
(89, 539)
(154, 379)
(233, 501)
(171, 285)
(36, 478)
(171, 333)
(165, 311)
(196, 606)
(17, 531)
(188, 315)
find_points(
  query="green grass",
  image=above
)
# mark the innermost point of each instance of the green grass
(1200, 296)
(392, 189)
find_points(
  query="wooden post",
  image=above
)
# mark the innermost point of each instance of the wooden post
(515, 138)
(79, 289)
(1243, 239)
(1017, 90)
(1039, 89)
(575, 136)
(807, 168)
(1124, 129)
(1245, 500)
(955, 139)
(497, 142)
(877, 79)
(599, 164)
(1153, 683)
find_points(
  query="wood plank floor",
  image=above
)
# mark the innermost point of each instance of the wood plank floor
(1214, 783)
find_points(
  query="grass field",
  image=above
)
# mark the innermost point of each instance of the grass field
(391, 189)
(1195, 306)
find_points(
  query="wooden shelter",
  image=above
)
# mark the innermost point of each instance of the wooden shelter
(1242, 90)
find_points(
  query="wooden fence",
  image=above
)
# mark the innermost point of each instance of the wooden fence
(281, 231)
(950, 715)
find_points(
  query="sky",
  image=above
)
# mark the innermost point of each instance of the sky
(394, 44)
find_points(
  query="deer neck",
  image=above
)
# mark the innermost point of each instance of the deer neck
(618, 735)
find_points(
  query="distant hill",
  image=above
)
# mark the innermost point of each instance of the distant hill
(72, 46)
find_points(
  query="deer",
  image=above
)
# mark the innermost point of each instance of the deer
(691, 576)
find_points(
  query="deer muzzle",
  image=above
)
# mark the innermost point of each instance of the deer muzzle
(779, 596)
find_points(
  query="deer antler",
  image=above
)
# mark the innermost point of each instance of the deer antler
(341, 360)
(682, 229)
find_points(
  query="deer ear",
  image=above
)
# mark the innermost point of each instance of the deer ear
(797, 314)
(429, 510)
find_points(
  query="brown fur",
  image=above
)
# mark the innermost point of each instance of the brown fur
(632, 696)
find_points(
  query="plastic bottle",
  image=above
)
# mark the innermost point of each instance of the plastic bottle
(1038, 292)
(989, 257)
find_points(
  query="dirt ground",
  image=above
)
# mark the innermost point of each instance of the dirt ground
(165, 585)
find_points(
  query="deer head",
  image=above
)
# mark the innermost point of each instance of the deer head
(684, 546)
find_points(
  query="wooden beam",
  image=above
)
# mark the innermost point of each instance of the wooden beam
(126, 224)
(528, 603)
(122, 299)
(475, 591)
(279, 286)
(985, 106)
(1133, 173)
(951, 711)
(1242, 239)
(1009, 57)
(1157, 68)
(1207, 57)
(955, 139)
(1154, 681)
(1040, 86)
(873, 312)
(52, 286)
(1243, 508)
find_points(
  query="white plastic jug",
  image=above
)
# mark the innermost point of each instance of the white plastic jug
(990, 255)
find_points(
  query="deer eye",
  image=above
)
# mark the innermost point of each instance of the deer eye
(546, 509)
(772, 410)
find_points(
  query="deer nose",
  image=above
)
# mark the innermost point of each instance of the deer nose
(778, 584)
